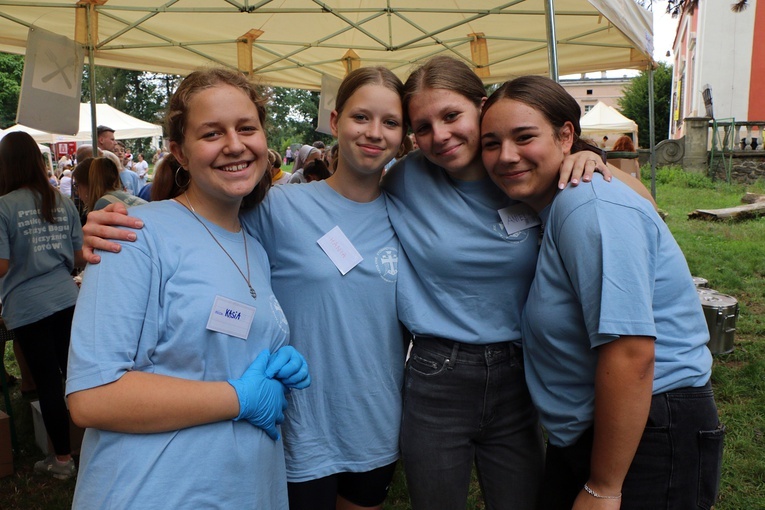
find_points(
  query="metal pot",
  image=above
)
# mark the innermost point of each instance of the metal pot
(721, 313)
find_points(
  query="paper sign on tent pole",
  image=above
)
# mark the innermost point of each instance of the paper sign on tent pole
(51, 84)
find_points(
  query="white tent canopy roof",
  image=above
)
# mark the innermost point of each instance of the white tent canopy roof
(603, 120)
(125, 126)
(293, 43)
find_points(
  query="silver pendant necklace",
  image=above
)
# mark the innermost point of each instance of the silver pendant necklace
(246, 255)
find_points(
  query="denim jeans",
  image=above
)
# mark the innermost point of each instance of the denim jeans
(468, 403)
(676, 467)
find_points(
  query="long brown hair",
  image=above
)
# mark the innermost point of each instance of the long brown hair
(167, 181)
(177, 117)
(22, 166)
(103, 177)
(549, 98)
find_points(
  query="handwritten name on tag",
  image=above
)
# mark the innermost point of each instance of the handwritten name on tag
(340, 250)
(231, 317)
(518, 217)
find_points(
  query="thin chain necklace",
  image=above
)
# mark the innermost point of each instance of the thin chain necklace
(246, 255)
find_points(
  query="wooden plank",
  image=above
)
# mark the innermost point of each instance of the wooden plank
(740, 212)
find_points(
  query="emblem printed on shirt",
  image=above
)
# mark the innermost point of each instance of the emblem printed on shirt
(386, 261)
(276, 310)
(515, 237)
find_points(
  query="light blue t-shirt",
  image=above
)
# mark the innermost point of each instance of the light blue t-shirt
(131, 181)
(345, 325)
(608, 266)
(39, 281)
(462, 276)
(147, 308)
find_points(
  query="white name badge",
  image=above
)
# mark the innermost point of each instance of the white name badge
(340, 250)
(231, 317)
(518, 217)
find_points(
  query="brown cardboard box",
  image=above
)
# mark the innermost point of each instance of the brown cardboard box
(41, 436)
(6, 452)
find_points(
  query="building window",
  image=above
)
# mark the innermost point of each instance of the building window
(589, 92)
(587, 108)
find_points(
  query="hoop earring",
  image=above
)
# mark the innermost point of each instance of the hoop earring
(181, 186)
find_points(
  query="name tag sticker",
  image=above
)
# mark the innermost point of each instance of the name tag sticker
(518, 217)
(231, 317)
(340, 250)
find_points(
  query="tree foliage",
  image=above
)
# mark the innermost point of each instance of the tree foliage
(11, 69)
(634, 103)
(140, 94)
(675, 7)
(293, 116)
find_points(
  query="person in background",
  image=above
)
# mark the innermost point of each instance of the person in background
(179, 365)
(604, 143)
(52, 179)
(316, 170)
(306, 154)
(104, 186)
(621, 377)
(65, 185)
(278, 176)
(40, 245)
(628, 165)
(141, 168)
(106, 141)
(288, 156)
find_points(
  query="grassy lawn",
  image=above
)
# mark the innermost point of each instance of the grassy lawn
(730, 255)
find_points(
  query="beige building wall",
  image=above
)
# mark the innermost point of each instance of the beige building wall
(588, 91)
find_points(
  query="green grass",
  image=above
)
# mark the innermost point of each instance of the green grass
(731, 255)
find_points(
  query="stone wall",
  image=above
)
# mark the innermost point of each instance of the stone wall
(691, 153)
(747, 167)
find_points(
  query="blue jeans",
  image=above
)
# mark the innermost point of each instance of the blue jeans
(466, 403)
(676, 467)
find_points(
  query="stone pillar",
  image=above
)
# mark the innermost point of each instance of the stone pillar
(696, 158)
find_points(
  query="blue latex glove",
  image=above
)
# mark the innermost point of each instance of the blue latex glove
(289, 366)
(261, 399)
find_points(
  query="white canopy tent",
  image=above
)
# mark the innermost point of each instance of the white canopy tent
(43, 148)
(606, 120)
(293, 43)
(124, 125)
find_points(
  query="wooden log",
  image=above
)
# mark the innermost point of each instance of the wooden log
(752, 198)
(738, 213)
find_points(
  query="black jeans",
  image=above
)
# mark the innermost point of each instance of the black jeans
(45, 345)
(676, 467)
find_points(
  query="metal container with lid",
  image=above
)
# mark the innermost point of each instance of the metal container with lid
(721, 313)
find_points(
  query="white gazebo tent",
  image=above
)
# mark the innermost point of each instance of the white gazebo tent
(606, 120)
(294, 43)
(43, 148)
(124, 125)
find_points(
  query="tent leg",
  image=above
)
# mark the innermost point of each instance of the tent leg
(92, 77)
(552, 40)
(651, 130)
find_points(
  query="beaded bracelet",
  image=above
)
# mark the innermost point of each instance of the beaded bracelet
(594, 494)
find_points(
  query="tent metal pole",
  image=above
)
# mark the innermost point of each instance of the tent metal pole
(92, 77)
(651, 130)
(552, 40)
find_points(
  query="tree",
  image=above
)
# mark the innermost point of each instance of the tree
(11, 69)
(140, 94)
(634, 103)
(675, 7)
(293, 115)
